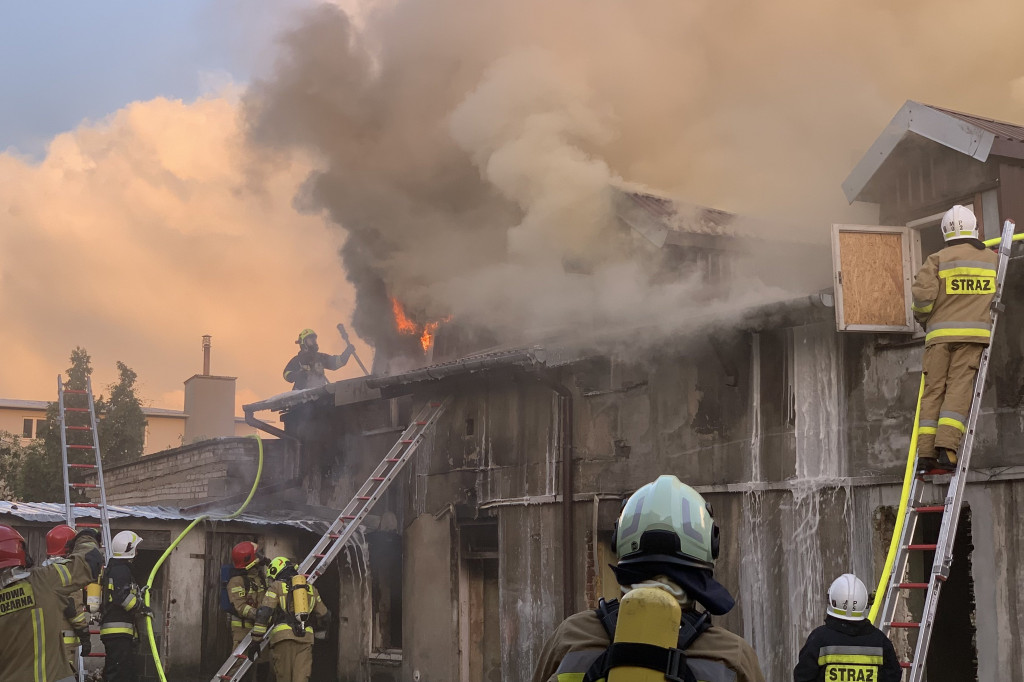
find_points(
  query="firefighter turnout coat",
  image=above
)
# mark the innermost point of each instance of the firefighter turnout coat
(953, 293)
(292, 653)
(121, 600)
(245, 590)
(32, 603)
(581, 638)
(847, 651)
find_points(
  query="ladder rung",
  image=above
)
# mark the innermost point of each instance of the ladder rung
(87, 525)
(931, 508)
(904, 625)
(96, 656)
(363, 498)
(334, 536)
(82, 485)
(76, 409)
(406, 441)
(905, 664)
(88, 505)
(319, 556)
(80, 447)
(393, 461)
(419, 423)
(913, 586)
(78, 428)
(922, 547)
(75, 391)
(435, 403)
(82, 466)
(379, 479)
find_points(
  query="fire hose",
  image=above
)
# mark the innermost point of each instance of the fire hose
(167, 553)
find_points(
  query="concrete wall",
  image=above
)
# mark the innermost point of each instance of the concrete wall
(210, 406)
(195, 473)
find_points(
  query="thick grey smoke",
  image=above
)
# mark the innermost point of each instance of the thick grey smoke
(469, 149)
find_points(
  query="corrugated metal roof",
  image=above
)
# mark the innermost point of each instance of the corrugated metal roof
(52, 512)
(999, 128)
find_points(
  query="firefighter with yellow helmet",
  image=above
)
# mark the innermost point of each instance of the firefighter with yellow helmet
(953, 294)
(306, 369)
(32, 606)
(294, 615)
(847, 646)
(667, 542)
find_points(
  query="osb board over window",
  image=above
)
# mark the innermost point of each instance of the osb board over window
(872, 275)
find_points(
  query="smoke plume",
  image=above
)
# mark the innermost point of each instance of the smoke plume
(470, 149)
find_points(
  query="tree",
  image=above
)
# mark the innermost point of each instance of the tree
(123, 429)
(40, 477)
(11, 454)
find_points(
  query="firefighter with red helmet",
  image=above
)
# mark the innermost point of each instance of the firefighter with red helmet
(76, 621)
(32, 606)
(245, 588)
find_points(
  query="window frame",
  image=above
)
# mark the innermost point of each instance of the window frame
(907, 239)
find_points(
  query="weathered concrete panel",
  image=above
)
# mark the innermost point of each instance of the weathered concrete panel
(430, 602)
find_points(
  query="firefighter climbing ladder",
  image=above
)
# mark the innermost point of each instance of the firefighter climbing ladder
(347, 523)
(71, 487)
(898, 587)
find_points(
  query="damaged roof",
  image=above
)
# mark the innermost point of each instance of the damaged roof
(974, 136)
(53, 512)
(662, 220)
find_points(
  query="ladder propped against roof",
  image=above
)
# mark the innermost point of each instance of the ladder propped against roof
(73, 487)
(898, 587)
(347, 523)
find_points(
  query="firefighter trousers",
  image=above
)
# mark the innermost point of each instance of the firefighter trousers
(119, 664)
(293, 660)
(949, 371)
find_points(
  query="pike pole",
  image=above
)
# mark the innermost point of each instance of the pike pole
(344, 337)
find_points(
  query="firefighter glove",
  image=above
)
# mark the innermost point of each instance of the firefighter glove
(89, 533)
(252, 651)
(85, 641)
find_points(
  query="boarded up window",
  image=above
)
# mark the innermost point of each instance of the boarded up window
(872, 276)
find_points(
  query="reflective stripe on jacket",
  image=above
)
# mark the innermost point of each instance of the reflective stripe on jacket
(953, 294)
(848, 651)
(120, 600)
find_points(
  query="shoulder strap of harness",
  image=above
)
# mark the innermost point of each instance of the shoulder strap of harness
(671, 661)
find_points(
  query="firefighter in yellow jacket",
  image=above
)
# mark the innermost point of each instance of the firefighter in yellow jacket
(953, 294)
(32, 606)
(245, 589)
(59, 542)
(665, 539)
(290, 610)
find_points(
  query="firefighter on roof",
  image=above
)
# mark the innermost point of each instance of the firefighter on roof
(847, 647)
(953, 294)
(667, 543)
(32, 606)
(306, 369)
(59, 542)
(122, 600)
(291, 609)
(245, 589)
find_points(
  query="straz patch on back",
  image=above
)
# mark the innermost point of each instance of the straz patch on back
(16, 597)
(845, 672)
(962, 284)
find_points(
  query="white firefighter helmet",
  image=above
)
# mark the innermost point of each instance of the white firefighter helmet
(958, 223)
(847, 598)
(124, 543)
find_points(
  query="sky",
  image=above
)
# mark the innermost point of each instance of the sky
(132, 220)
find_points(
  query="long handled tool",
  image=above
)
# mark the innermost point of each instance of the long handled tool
(344, 337)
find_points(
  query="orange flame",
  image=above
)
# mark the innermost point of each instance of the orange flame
(407, 326)
(402, 321)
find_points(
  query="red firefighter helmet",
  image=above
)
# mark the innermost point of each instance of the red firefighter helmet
(244, 556)
(57, 540)
(12, 548)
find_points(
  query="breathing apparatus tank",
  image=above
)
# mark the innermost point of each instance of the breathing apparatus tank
(647, 615)
(93, 597)
(300, 603)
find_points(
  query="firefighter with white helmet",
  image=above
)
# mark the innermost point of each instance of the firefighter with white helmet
(847, 646)
(306, 369)
(667, 543)
(953, 294)
(122, 601)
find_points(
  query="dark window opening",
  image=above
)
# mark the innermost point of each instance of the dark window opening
(385, 550)
(954, 619)
(26, 428)
(470, 426)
